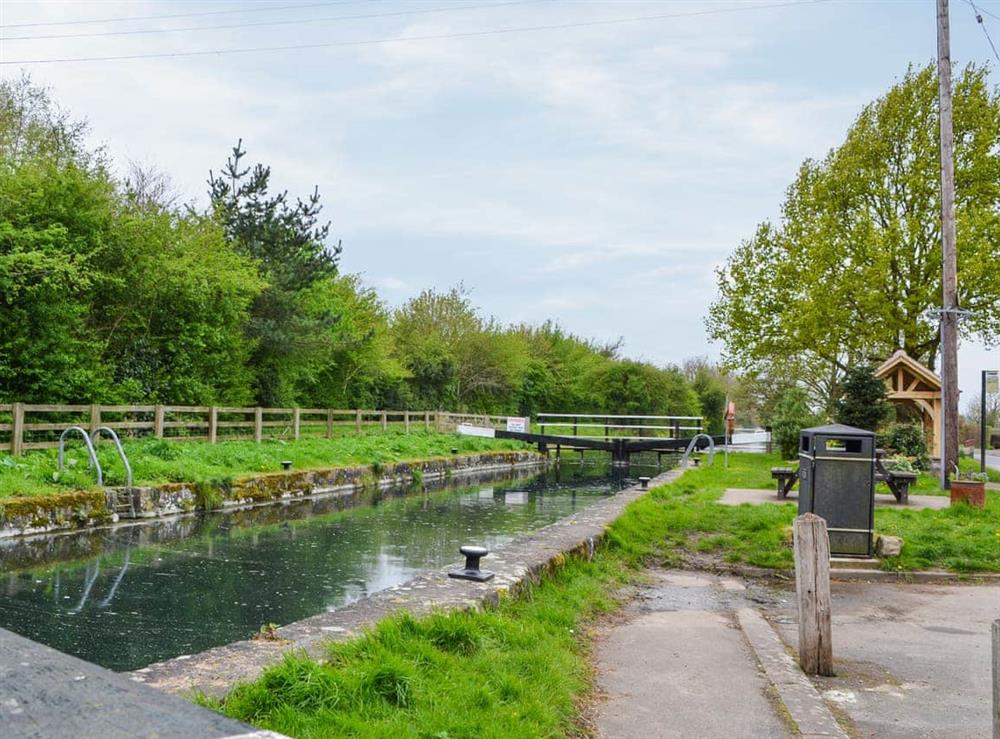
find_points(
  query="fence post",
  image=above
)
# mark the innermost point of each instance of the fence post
(329, 423)
(427, 420)
(258, 424)
(213, 424)
(996, 679)
(385, 421)
(296, 422)
(95, 417)
(17, 430)
(158, 421)
(406, 421)
(812, 588)
(357, 420)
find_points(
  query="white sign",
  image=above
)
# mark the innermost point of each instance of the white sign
(992, 381)
(466, 429)
(517, 424)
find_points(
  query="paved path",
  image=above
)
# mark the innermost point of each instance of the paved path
(45, 694)
(679, 666)
(911, 660)
(738, 496)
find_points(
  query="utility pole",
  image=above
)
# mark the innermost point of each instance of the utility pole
(949, 269)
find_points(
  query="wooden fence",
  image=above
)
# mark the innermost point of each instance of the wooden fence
(26, 426)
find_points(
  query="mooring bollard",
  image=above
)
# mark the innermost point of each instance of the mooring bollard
(644, 482)
(454, 450)
(472, 572)
(286, 464)
(812, 586)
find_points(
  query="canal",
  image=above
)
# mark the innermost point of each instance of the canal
(129, 596)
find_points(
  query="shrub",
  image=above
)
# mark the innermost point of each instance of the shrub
(791, 415)
(907, 440)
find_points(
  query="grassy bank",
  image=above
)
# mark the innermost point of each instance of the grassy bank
(157, 461)
(521, 670)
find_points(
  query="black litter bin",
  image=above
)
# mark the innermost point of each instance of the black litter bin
(837, 482)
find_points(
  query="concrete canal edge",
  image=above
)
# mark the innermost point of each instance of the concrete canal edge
(75, 511)
(517, 565)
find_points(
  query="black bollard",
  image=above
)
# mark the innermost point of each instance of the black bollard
(286, 464)
(644, 482)
(472, 572)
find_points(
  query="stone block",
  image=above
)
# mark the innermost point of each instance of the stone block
(888, 546)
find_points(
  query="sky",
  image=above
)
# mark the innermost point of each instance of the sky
(591, 172)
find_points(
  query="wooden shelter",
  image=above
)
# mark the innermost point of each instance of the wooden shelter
(911, 384)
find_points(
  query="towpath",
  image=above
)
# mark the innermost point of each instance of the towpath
(700, 655)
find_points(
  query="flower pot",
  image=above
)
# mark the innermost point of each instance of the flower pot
(971, 491)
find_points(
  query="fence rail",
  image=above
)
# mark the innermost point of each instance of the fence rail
(25, 426)
(618, 426)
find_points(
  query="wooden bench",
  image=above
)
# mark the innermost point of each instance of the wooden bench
(786, 477)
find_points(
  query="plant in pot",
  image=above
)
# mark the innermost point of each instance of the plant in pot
(970, 487)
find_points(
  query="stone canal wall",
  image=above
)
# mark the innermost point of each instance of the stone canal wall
(72, 511)
(517, 564)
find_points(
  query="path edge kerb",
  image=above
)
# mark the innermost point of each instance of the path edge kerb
(518, 565)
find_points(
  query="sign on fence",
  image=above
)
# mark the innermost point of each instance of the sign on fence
(467, 429)
(519, 425)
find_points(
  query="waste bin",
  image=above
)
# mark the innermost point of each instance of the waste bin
(837, 482)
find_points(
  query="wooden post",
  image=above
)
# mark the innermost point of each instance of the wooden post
(996, 679)
(17, 430)
(427, 420)
(329, 423)
(158, 414)
(213, 424)
(95, 417)
(949, 260)
(385, 421)
(406, 421)
(296, 422)
(357, 420)
(812, 586)
(258, 424)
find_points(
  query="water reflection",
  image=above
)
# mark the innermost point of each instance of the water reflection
(130, 596)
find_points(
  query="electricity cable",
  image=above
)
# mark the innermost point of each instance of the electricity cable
(124, 19)
(979, 20)
(285, 22)
(408, 39)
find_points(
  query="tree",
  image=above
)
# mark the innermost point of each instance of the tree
(864, 403)
(711, 385)
(359, 370)
(288, 243)
(56, 214)
(791, 415)
(849, 273)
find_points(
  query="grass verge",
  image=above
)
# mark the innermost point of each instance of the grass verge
(157, 461)
(521, 669)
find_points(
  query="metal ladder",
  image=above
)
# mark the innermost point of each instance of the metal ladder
(123, 501)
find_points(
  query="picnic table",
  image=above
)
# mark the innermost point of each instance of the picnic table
(898, 481)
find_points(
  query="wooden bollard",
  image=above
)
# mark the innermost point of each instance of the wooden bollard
(996, 679)
(812, 586)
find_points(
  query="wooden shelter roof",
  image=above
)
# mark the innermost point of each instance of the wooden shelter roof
(900, 359)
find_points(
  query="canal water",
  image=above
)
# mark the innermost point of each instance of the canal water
(129, 596)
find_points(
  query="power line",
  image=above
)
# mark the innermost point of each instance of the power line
(405, 39)
(286, 22)
(979, 20)
(126, 19)
(984, 10)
